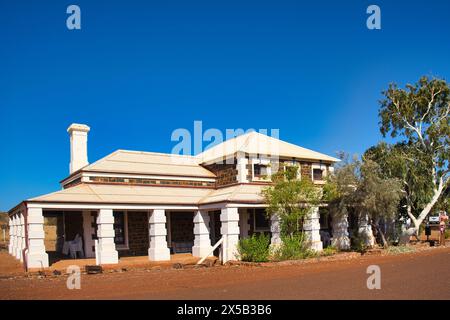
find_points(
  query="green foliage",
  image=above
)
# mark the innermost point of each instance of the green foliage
(292, 248)
(420, 114)
(290, 198)
(358, 244)
(379, 196)
(342, 184)
(362, 185)
(340, 187)
(410, 167)
(329, 251)
(254, 248)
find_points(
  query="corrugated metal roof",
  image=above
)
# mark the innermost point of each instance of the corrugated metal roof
(257, 143)
(98, 193)
(123, 161)
(247, 193)
(152, 163)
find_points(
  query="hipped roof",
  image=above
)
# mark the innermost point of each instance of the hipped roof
(256, 143)
(149, 195)
(124, 161)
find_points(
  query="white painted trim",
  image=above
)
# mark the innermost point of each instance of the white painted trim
(138, 207)
(244, 205)
(75, 177)
(241, 167)
(113, 206)
(212, 206)
(264, 161)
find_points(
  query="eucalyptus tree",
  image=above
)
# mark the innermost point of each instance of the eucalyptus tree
(419, 116)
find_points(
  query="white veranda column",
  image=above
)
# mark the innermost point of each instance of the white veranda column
(158, 250)
(20, 236)
(11, 235)
(340, 238)
(106, 248)
(229, 218)
(311, 227)
(365, 231)
(35, 254)
(202, 241)
(16, 235)
(24, 238)
(275, 230)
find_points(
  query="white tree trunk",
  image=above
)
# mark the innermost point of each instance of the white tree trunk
(425, 211)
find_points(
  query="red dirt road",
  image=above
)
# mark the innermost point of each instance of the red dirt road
(420, 275)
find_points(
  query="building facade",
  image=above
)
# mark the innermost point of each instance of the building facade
(133, 203)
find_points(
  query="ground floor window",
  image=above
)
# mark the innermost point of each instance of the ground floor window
(261, 222)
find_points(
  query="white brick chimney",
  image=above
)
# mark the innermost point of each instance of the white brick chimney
(78, 146)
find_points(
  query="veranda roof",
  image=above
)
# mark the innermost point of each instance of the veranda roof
(128, 194)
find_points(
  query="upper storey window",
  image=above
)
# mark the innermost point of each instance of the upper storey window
(317, 174)
(260, 171)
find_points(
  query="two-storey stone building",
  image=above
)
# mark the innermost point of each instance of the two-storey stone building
(143, 203)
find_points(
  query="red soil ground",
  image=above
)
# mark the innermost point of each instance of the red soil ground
(419, 275)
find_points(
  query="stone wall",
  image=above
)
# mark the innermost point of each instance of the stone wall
(138, 238)
(306, 170)
(226, 173)
(182, 226)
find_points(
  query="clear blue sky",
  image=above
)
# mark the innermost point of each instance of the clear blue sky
(137, 70)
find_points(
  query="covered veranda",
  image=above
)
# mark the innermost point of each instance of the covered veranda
(119, 222)
(151, 224)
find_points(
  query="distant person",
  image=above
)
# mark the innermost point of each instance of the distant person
(442, 224)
